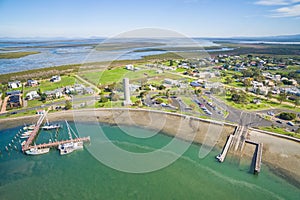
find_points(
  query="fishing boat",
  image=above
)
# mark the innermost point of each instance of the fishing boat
(36, 151)
(70, 146)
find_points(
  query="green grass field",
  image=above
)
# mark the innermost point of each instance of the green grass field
(280, 131)
(46, 85)
(117, 74)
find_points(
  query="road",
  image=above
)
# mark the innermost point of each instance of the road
(89, 83)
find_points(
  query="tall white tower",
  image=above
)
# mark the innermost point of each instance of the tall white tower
(127, 100)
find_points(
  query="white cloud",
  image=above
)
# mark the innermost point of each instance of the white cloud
(291, 7)
(290, 11)
(276, 2)
(272, 2)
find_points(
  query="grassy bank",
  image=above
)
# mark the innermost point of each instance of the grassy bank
(11, 55)
(280, 131)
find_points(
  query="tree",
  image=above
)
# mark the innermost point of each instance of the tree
(228, 80)
(159, 100)
(161, 87)
(103, 99)
(247, 82)
(269, 95)
(39, 91)
(114, 96)
(171, 62)
(287, 116)
(68, 105)
(282, 97)
(43, 97)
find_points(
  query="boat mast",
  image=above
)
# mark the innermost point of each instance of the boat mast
(69, 131)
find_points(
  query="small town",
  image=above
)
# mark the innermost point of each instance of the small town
(264, 86)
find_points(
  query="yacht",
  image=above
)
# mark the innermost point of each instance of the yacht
(51, 126)
(36, 151)
(70, 146)
(30, 127)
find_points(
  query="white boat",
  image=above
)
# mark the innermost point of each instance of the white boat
(70, 146)
(30, 127)
(26, 133)
(24, 137)
(23, 143)
(51, 126)
(36, 151)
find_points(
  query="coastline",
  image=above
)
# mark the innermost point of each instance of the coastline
(281, 155)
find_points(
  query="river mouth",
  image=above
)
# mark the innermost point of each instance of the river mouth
(84, 176)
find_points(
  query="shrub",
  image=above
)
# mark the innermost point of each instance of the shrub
(287, 116)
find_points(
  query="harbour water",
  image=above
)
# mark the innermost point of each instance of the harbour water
(80, 176)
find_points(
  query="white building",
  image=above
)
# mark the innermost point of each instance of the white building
(171, 81)
(55, 78)
(14, 85)
(130, 67)
(32, 95)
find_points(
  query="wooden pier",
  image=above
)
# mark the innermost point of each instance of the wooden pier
(221, 157)
(34, 133)
(28, 144)
(258, 155)
(55, 144)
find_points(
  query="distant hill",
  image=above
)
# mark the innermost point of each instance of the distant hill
(280, 38)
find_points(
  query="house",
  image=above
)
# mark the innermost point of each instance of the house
(195, 84)
(14, 101)
(16, 92)
(88, 90)
(14, 84)
(209, 85)
(32, 83)
(133, 87)
(130, 67)
(54, 94)
(32, 95)
(79, 88)
(260, 90)
(170, 81)
(55, 78)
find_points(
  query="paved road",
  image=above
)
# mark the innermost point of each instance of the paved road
(241, 117)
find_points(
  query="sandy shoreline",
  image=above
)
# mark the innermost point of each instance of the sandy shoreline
(281, 155)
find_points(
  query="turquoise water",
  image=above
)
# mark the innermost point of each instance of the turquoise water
(80, 176)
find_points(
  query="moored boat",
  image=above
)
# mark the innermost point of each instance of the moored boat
(51, 126)
(36, 151)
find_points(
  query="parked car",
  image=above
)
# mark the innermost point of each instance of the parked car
(291, 123)
(278, 121)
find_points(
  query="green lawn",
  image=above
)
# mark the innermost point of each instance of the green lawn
(46, 85)
(280, 131)
(116, 75)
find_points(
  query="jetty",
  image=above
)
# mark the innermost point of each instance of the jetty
(221, 156)
(34, 133)
(258, 155)
(55, 144)
(28, 143)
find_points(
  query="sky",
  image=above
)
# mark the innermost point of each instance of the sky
(107, 18)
